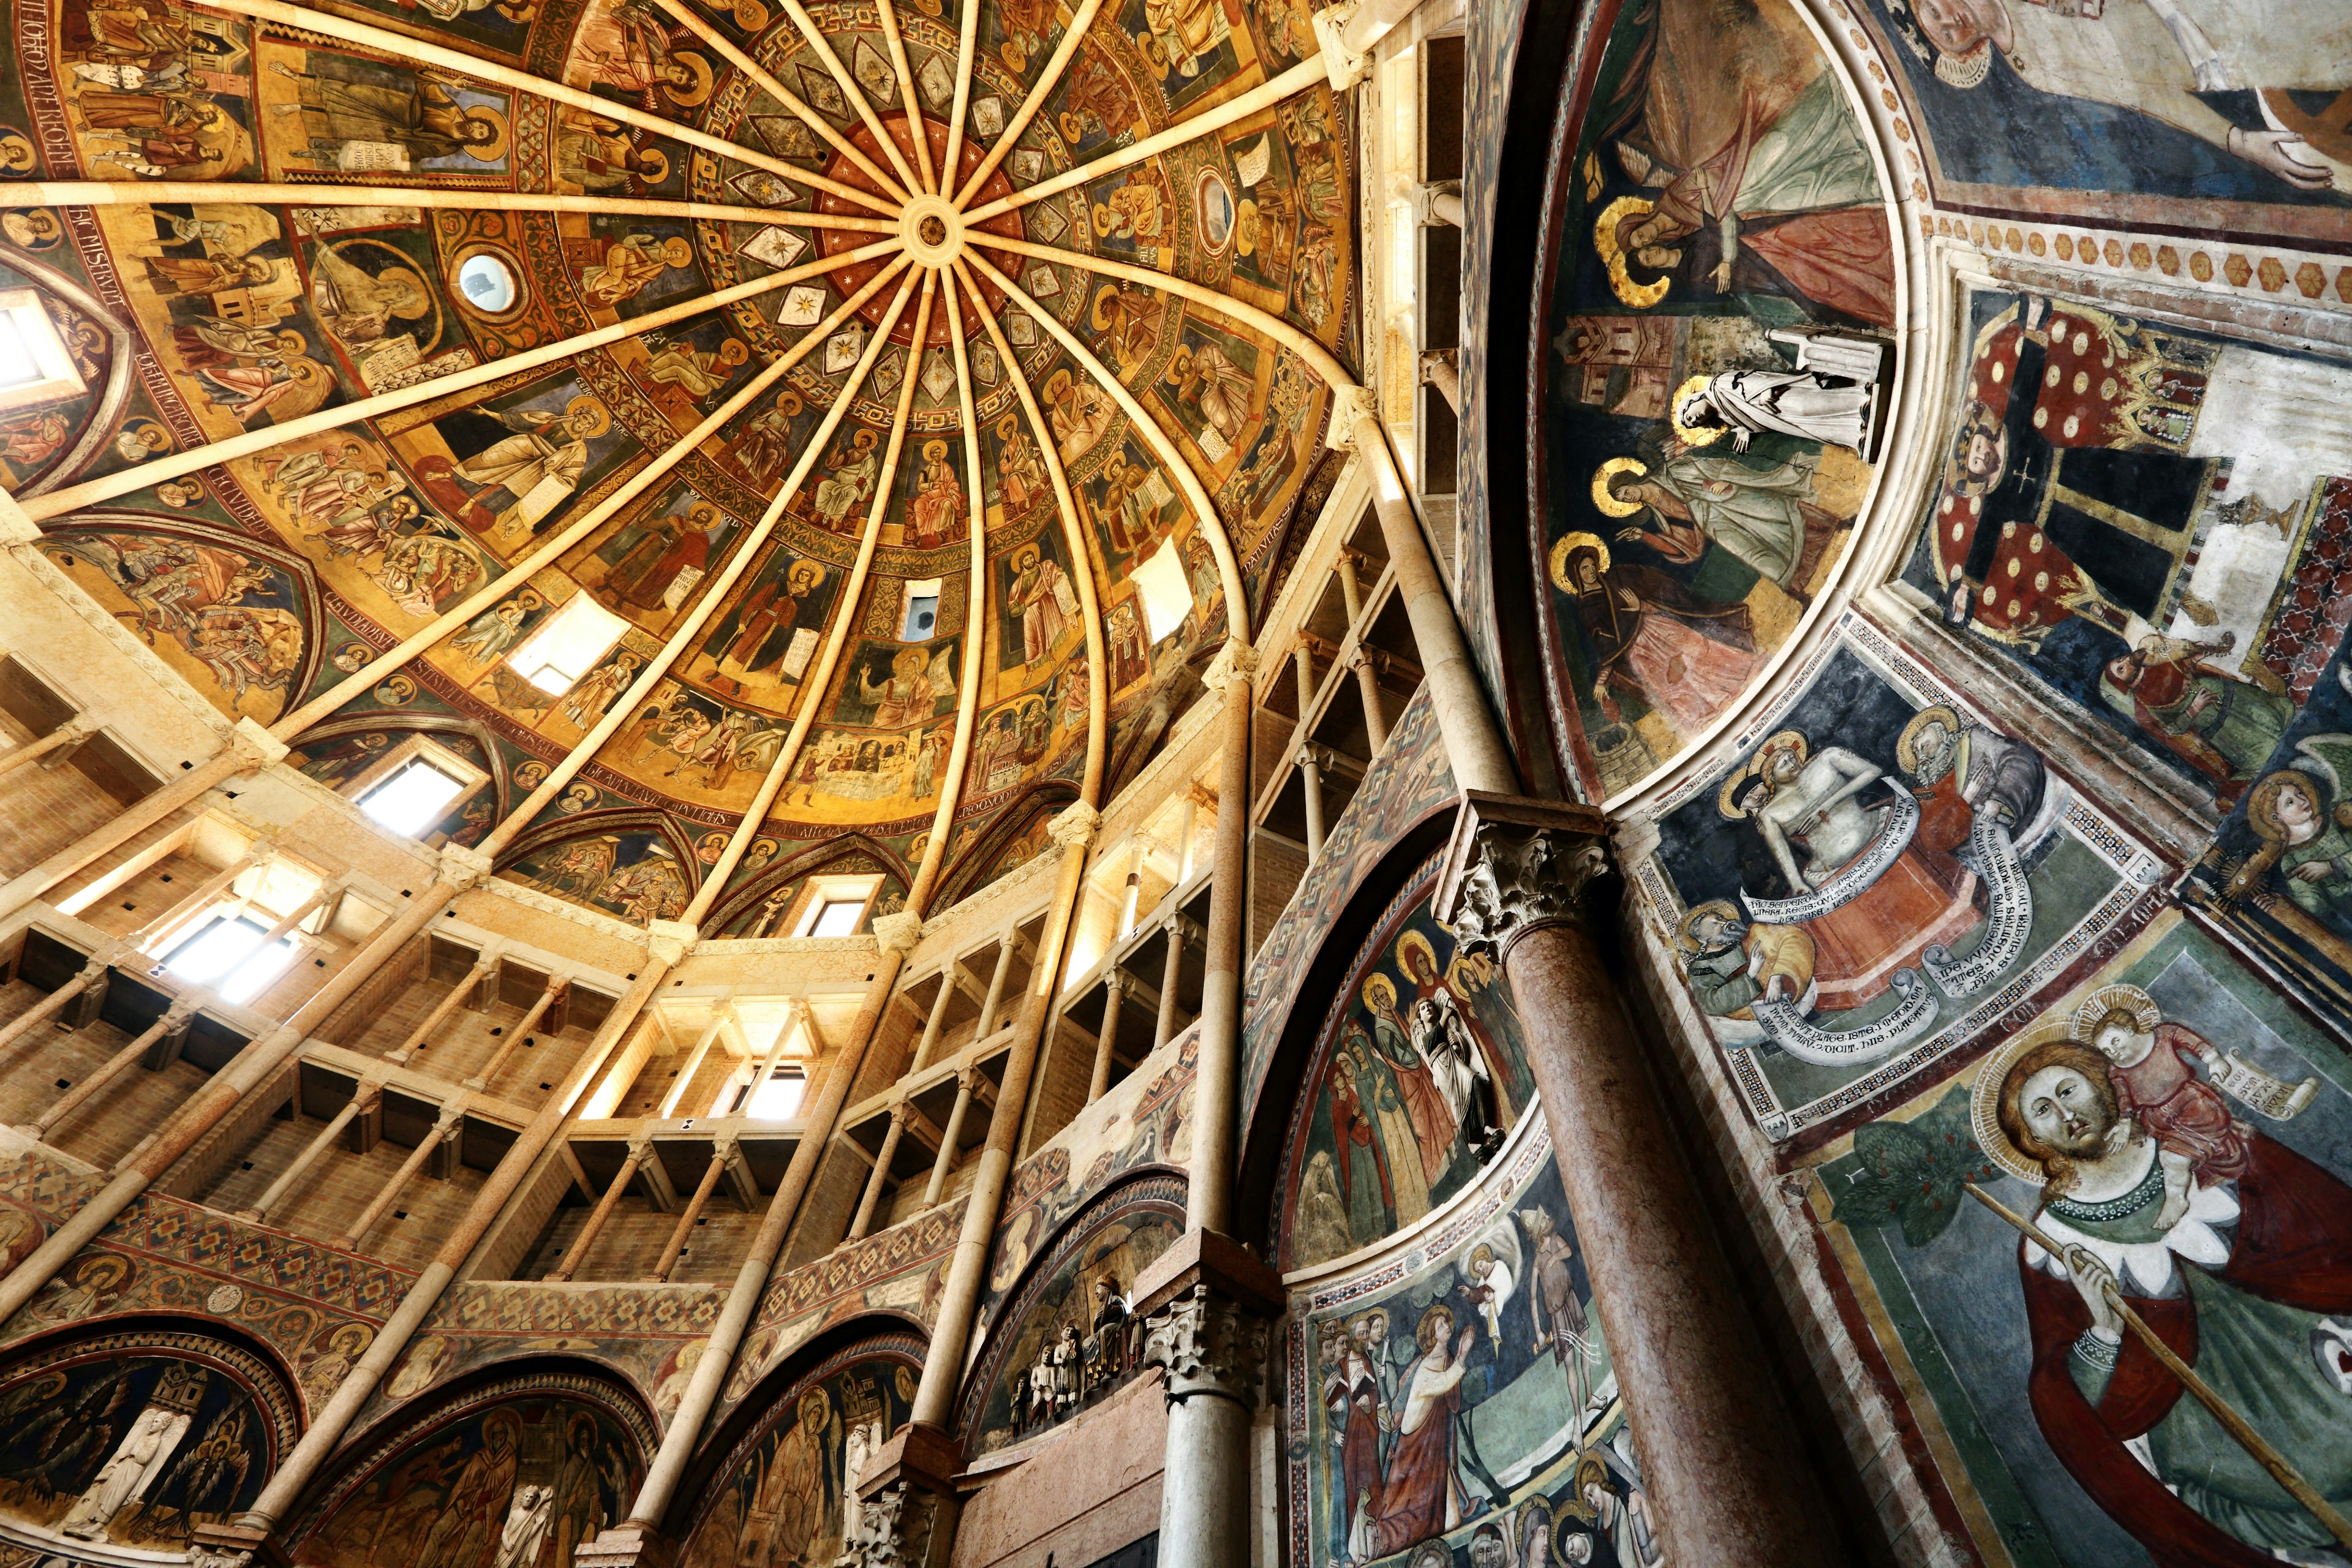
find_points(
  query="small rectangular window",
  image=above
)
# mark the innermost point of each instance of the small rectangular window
(778, 1100)
(1167, 590)
(567, 644)
(34, 365)
(412, 799)
(922, 612)
(224, 955)
(838, 917)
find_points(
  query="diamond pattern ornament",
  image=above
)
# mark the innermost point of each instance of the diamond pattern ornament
(1020, 329)
(842, 349)
(788, 135)
(872, 71)
(1028, 165)
(937, 82)
(804, 307)
(988, 116)
(1047, 221)
(762, 189)
(886, 372)
(939, 375)
(819, 88)
(1043, 281)
(778, 248)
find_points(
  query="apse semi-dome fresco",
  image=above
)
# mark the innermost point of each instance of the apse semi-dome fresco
(820, 364)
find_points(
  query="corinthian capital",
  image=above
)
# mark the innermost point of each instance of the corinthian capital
(895, 1528)
(668, 942)
(1208, 1344)
(1517, 865)
(464, 867)
(898, 933)
(1236, 661)
(1351, 406)
(1074, 826)
(254, 746)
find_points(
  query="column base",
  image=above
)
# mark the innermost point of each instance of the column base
(632, 1543)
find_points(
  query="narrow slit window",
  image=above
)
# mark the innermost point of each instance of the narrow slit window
(922, 614)
(568, 645)
(412, 799)
(34, 365)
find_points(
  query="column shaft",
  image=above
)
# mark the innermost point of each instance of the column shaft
(1368, 686)
(1106, 1042)
(601, 1216)
(1710, 1428)
(939, 1015)
(421, 1036)
(693, 1065)
(176, 1017)
(72, 732)
(1473, 745)
(879, 1174)
(212, 888)
(1171, 975)
(945, 1164)
(445, 1126)
(721, 1154)
(49, 1006)
(512, 1039)
(362, 1101)
(134, 820)
(1208, 1199)
(1310, 785)
(996, 987)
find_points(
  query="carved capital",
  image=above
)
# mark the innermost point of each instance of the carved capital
(898, 933)
(897, 1527)
(1343, 65)
(1208, 1344)
(668, 942)
(1235, 662)
(210, 1554)
(1516, 866)
(1351, 406)
(1074, 826)
(463, 868)
(254, 746)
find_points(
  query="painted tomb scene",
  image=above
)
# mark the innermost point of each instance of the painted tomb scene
(1880, 878)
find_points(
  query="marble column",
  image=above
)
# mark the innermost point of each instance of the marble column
(1210, 1194)
(1310, 784)
(259, 853)
(1205, 1305)
(880, 1174)
(72, 732)
(92, 977)
(1172, 975)
(365, 1098)
(1725, 1483)
(938, 1015)
(942, 1167)
(1366, 664)
(722, 1152)
(1107, 1039)
(577, 1253)
(175, 1020)
(995, 997)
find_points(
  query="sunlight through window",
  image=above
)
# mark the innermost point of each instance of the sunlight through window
(411, 799)
(779, 1098)
(568, 646)
(225, 957)
(1166, 591)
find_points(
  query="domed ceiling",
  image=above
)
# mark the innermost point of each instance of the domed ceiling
(845, 246)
